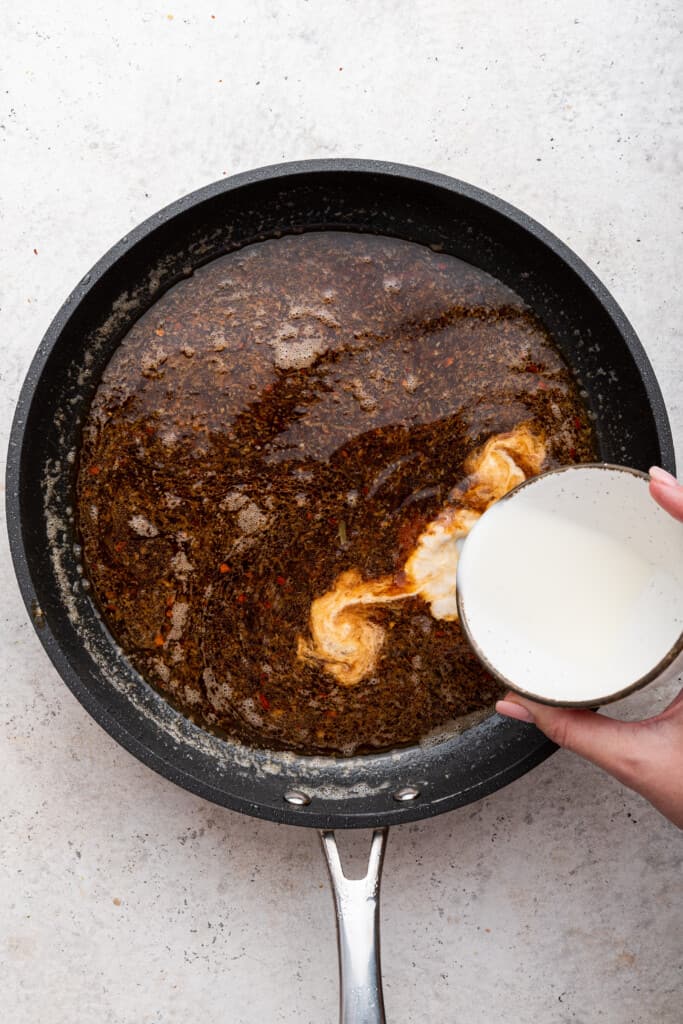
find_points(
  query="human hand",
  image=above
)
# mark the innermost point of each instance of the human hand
(667, 492)
(646, 756)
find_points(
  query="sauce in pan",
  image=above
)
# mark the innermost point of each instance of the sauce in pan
(298, 410)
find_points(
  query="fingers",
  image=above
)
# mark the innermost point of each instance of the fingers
(667, 492)
(609, 744)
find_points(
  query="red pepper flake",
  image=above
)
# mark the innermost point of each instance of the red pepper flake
(448, 362)
(542, 386)
(120, 545)
(281, 581)
(160, 332)
(263, 700)
(331, 713)
(332, 521)
(159, 640)
(572, 453)
(577, 423)
(93, 470)
(224, 567)
(241, 598)
(170, 600)
(268, 387)
(267, 605)
(532, 368)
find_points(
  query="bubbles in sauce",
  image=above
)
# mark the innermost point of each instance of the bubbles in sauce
(295, 410)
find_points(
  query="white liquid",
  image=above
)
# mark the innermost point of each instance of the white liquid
(572, 589)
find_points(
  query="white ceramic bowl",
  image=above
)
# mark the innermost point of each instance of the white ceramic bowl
(570, 588)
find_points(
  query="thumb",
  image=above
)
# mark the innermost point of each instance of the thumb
(604, 741)
(667, 492)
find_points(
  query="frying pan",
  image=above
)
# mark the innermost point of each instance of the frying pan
(453, 768)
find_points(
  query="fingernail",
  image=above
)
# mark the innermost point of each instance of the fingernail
(512, 710)
(661, 476)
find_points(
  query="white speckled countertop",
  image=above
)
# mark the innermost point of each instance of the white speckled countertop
(125, 900)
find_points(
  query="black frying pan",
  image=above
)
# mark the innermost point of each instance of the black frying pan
(597, 342)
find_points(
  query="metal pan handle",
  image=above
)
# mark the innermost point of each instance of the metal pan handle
(357, 905)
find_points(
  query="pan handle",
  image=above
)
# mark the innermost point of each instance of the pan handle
(357, 905)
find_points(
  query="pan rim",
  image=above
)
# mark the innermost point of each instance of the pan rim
(309, 816)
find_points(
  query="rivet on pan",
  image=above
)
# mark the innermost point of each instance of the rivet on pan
(296, 797)
(406, 794)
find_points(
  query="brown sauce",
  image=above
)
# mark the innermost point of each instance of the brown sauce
(295, 409)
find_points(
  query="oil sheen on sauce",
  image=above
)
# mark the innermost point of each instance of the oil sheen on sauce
(296, 410)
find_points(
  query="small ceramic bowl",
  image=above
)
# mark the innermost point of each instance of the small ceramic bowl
(570, 588)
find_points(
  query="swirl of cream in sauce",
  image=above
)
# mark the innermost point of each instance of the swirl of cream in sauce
(344, 639)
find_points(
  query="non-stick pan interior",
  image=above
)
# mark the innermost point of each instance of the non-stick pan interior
(596, 340)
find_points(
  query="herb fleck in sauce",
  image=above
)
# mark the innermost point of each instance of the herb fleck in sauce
(295, 409)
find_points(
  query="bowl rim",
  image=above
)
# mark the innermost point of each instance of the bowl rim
(654, 673)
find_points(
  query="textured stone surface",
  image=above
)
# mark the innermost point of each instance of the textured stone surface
(127, 901)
